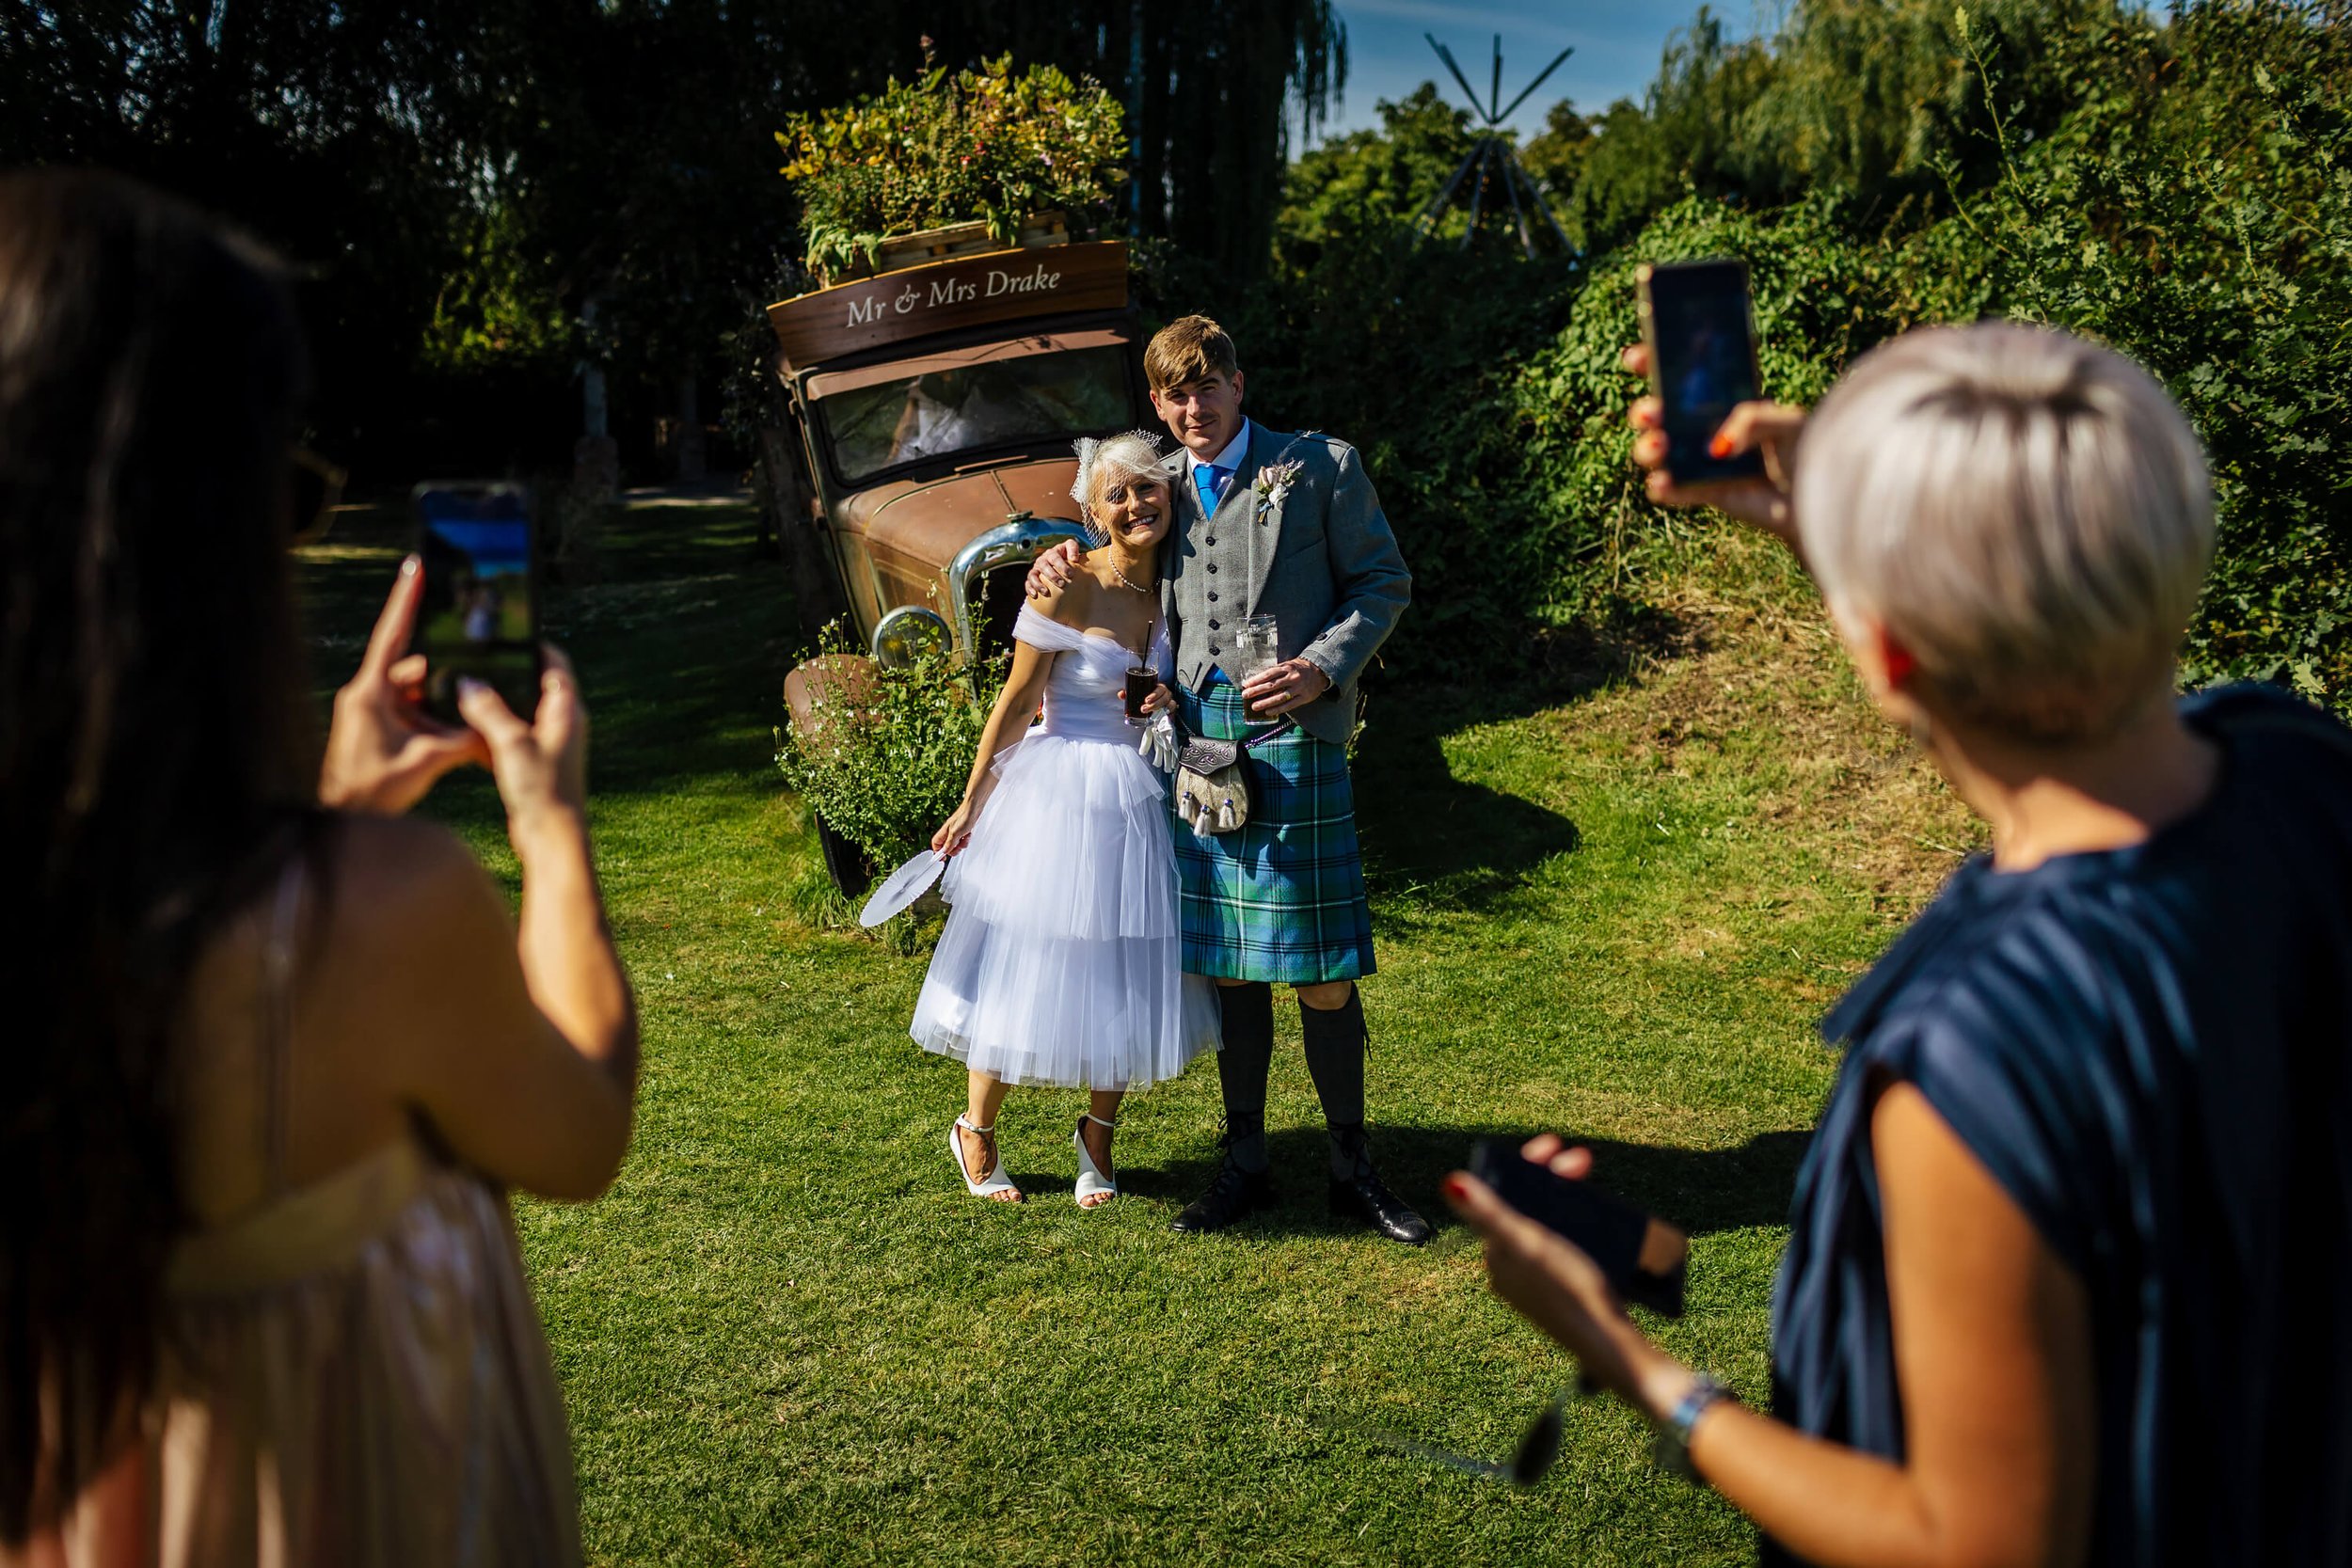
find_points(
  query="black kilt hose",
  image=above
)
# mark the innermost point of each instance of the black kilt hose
(1281, 898)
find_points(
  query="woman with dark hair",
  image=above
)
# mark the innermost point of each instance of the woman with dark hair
(274, 1050)
(2067, 1266)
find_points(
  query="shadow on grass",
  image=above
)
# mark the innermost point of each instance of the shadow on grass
(1437, 839)
(1701, 1190)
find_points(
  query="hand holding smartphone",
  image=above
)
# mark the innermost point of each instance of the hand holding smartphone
(1699, 326)
(1644, 1258)
(480, 617)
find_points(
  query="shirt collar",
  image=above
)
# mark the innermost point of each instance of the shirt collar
(1229, 459)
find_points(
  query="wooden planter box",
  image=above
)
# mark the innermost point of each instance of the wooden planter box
(957, 239)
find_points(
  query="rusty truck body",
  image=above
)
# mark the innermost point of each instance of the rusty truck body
(936, 401)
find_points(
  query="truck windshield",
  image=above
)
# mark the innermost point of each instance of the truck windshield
(940, 413)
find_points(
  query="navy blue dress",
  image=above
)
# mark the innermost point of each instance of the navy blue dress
(2151, 1050)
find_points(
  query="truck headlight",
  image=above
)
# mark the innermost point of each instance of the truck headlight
(910, 633)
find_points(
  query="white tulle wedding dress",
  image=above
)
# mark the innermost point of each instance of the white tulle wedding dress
(1062, 961)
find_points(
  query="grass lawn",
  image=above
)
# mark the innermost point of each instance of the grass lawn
(1611, 907)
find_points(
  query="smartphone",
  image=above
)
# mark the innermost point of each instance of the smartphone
(1644, 1259)
(1700, 328)
(480, 611)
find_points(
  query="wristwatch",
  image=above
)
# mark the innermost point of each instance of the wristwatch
(1671, 1449)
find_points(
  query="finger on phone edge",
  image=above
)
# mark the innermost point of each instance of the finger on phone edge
(1645, 413)
(397, 618)
(1751, 423)
(1649, 448)
(1635, 359)
(438, 750)
(1542, 1147)
(486, 712)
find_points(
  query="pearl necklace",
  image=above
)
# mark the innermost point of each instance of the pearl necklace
(1122, 576)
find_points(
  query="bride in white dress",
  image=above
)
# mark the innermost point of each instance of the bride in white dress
(1061, 962)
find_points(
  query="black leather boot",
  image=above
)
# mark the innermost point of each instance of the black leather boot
(1363, 1195)
(1234, 1196)
(1335, 1059)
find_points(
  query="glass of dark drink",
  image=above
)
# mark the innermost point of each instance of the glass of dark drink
(1141, 684)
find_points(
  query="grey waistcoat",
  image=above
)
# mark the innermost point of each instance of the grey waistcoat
(1323, 562)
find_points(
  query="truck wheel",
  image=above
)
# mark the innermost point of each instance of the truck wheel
(845, 863)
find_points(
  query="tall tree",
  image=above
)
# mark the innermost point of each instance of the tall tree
(1210, 86)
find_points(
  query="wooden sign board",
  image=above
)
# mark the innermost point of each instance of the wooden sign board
(944, 296)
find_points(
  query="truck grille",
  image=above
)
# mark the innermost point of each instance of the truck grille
(999, 600)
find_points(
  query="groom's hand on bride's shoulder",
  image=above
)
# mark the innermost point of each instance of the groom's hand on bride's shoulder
(1052, 570)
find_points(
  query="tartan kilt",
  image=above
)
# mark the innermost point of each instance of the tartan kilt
(1282, 896)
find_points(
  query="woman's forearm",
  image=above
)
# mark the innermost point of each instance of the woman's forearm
(1833, 1506)
(569, 964)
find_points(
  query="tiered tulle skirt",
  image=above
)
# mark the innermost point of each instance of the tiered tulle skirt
(1061, 962)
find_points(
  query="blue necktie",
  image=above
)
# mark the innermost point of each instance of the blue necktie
(1209, 479)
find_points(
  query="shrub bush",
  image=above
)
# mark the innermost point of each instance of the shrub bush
(886, 763)
(2181, 191)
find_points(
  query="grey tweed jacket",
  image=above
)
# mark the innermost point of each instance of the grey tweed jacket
(1324, 563)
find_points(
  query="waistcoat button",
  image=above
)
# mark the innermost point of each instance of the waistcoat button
(1213, 625)
(1212, 568)
(1212, 539)
(1212, 595)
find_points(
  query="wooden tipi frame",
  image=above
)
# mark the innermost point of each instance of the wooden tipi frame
(1493, 157)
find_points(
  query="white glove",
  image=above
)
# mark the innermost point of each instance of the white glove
(1158, 746)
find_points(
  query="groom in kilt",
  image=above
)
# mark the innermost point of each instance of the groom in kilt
(1286, 526)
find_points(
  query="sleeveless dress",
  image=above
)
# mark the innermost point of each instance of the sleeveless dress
(351, 1372)
(2150, 1049)
(1062, 962)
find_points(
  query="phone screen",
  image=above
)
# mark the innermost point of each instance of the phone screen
(1702, 344)
(480, 611)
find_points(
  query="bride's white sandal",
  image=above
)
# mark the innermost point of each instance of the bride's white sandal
(1092, 1182)
(998, 1181)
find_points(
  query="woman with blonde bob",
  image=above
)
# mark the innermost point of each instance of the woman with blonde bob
(2066, 1277)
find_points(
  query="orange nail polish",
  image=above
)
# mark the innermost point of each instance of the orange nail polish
(1720, 446)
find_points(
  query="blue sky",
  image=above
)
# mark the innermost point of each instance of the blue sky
(1616, 49)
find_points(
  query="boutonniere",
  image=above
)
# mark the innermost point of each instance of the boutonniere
(1273, 482)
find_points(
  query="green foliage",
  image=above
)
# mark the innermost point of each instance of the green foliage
(983, 145)
(884, 763)
(1645, 157)
(499, 303)
(2181, 191)
(1568, 402)
(1354, 190)
(2196, 212)
(1556, 156)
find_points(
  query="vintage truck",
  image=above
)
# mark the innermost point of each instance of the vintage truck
(935, 404)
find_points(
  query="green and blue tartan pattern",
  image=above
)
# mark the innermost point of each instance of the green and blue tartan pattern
(1281, 898)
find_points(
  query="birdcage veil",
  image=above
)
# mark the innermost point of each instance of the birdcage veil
(1106, 462)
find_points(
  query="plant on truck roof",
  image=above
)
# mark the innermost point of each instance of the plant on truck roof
(978, 145)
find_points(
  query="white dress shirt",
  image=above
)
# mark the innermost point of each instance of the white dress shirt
(1229, 459)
